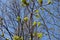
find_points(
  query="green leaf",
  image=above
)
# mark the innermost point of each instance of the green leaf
(39, 24)
(25, 3)
(49, 1)
(34, 23)
(39, 35)
(15, 37)
(36, 11)
(40, 2)
(7, 38)
(25, 19)
(37, 15)
(18, 18)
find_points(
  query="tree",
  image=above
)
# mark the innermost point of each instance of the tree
(30, 19)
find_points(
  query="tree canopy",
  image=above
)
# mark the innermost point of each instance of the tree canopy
(29, 19)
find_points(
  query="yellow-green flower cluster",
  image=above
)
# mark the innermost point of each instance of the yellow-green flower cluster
(26, 19)
(36, 23)
(39, 23)
(17, 38)
(18, 18)
(25, 2)
(39, 35)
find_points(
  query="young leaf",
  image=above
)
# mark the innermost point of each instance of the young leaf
(26, 19)
(40, 2)
(7, 38)
(16, 37)
(39, 24)
(37, 15)
(39, 35)
(34, 23)
(25, 2)
(36, 11)
(23, 5)
(18, 18)
(49, 1)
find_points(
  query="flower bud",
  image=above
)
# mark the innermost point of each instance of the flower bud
(26, 19)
